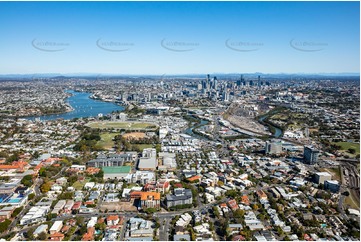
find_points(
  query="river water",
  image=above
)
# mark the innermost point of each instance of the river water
(189, 130)
(83, 107)
(278, 131)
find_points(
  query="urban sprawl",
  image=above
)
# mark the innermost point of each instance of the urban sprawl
(185, 159)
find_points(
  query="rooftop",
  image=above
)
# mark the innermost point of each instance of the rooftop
(116, 169)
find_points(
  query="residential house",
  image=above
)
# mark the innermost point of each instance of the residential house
(89, 235)
(112, 220)
(233, 204)
(57, 236)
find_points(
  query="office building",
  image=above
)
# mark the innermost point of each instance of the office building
(321, 177)
(310, 155)
(332, 185)
(273, 147)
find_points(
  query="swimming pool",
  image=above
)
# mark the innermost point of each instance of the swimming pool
(14, 200)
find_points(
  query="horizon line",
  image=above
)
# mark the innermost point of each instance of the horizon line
(178, 74)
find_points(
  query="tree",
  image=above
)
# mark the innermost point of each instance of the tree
(14, 157)
(51, 216)
(150, 210)
(42, 172)
(72, 179)
(220, 183)
(255, 206)
(66, 195)
(30, 234)
(45, 187)
(193, 235)
(100, 226)
(232, 193)
(100, 174)
(216, 212)
(352, 150)
(4, 225)
(279, 231)
(286, 238)
(17, 211)
(79, 221)
(98, 237)
(261, 216)
(346, 193)
(238, 213)
(83, 229)
(43, 236)
(31, 196)
(27, 180)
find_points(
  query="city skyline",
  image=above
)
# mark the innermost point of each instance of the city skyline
(144, 38)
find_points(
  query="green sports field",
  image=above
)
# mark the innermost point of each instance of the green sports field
(120, 125)
(348, 145)
(106, 141)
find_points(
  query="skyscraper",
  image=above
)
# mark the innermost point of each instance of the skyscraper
(225, 96)
(215, 83)
(310, 155)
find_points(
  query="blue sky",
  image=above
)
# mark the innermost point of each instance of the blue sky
(179, 37)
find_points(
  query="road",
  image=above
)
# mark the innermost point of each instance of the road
(37, 192)
(340, 206)
(122, 231)
(164, 229)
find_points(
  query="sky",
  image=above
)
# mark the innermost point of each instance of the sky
(179, 37)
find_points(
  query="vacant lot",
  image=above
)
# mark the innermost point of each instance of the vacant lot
(335, 172)
(120, 125)
(350, 200)
(134, 135)
(118, 206)
(79, 185)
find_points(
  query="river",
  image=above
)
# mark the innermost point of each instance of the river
(83, 107)
(189, 130)
(278, 131)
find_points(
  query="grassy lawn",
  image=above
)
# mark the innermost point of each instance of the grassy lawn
(144, 146)
(106, 141)
(119, 125)
(280, 116)
(347, 145)
(79, 185)
(351, 202)
(336, 173)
